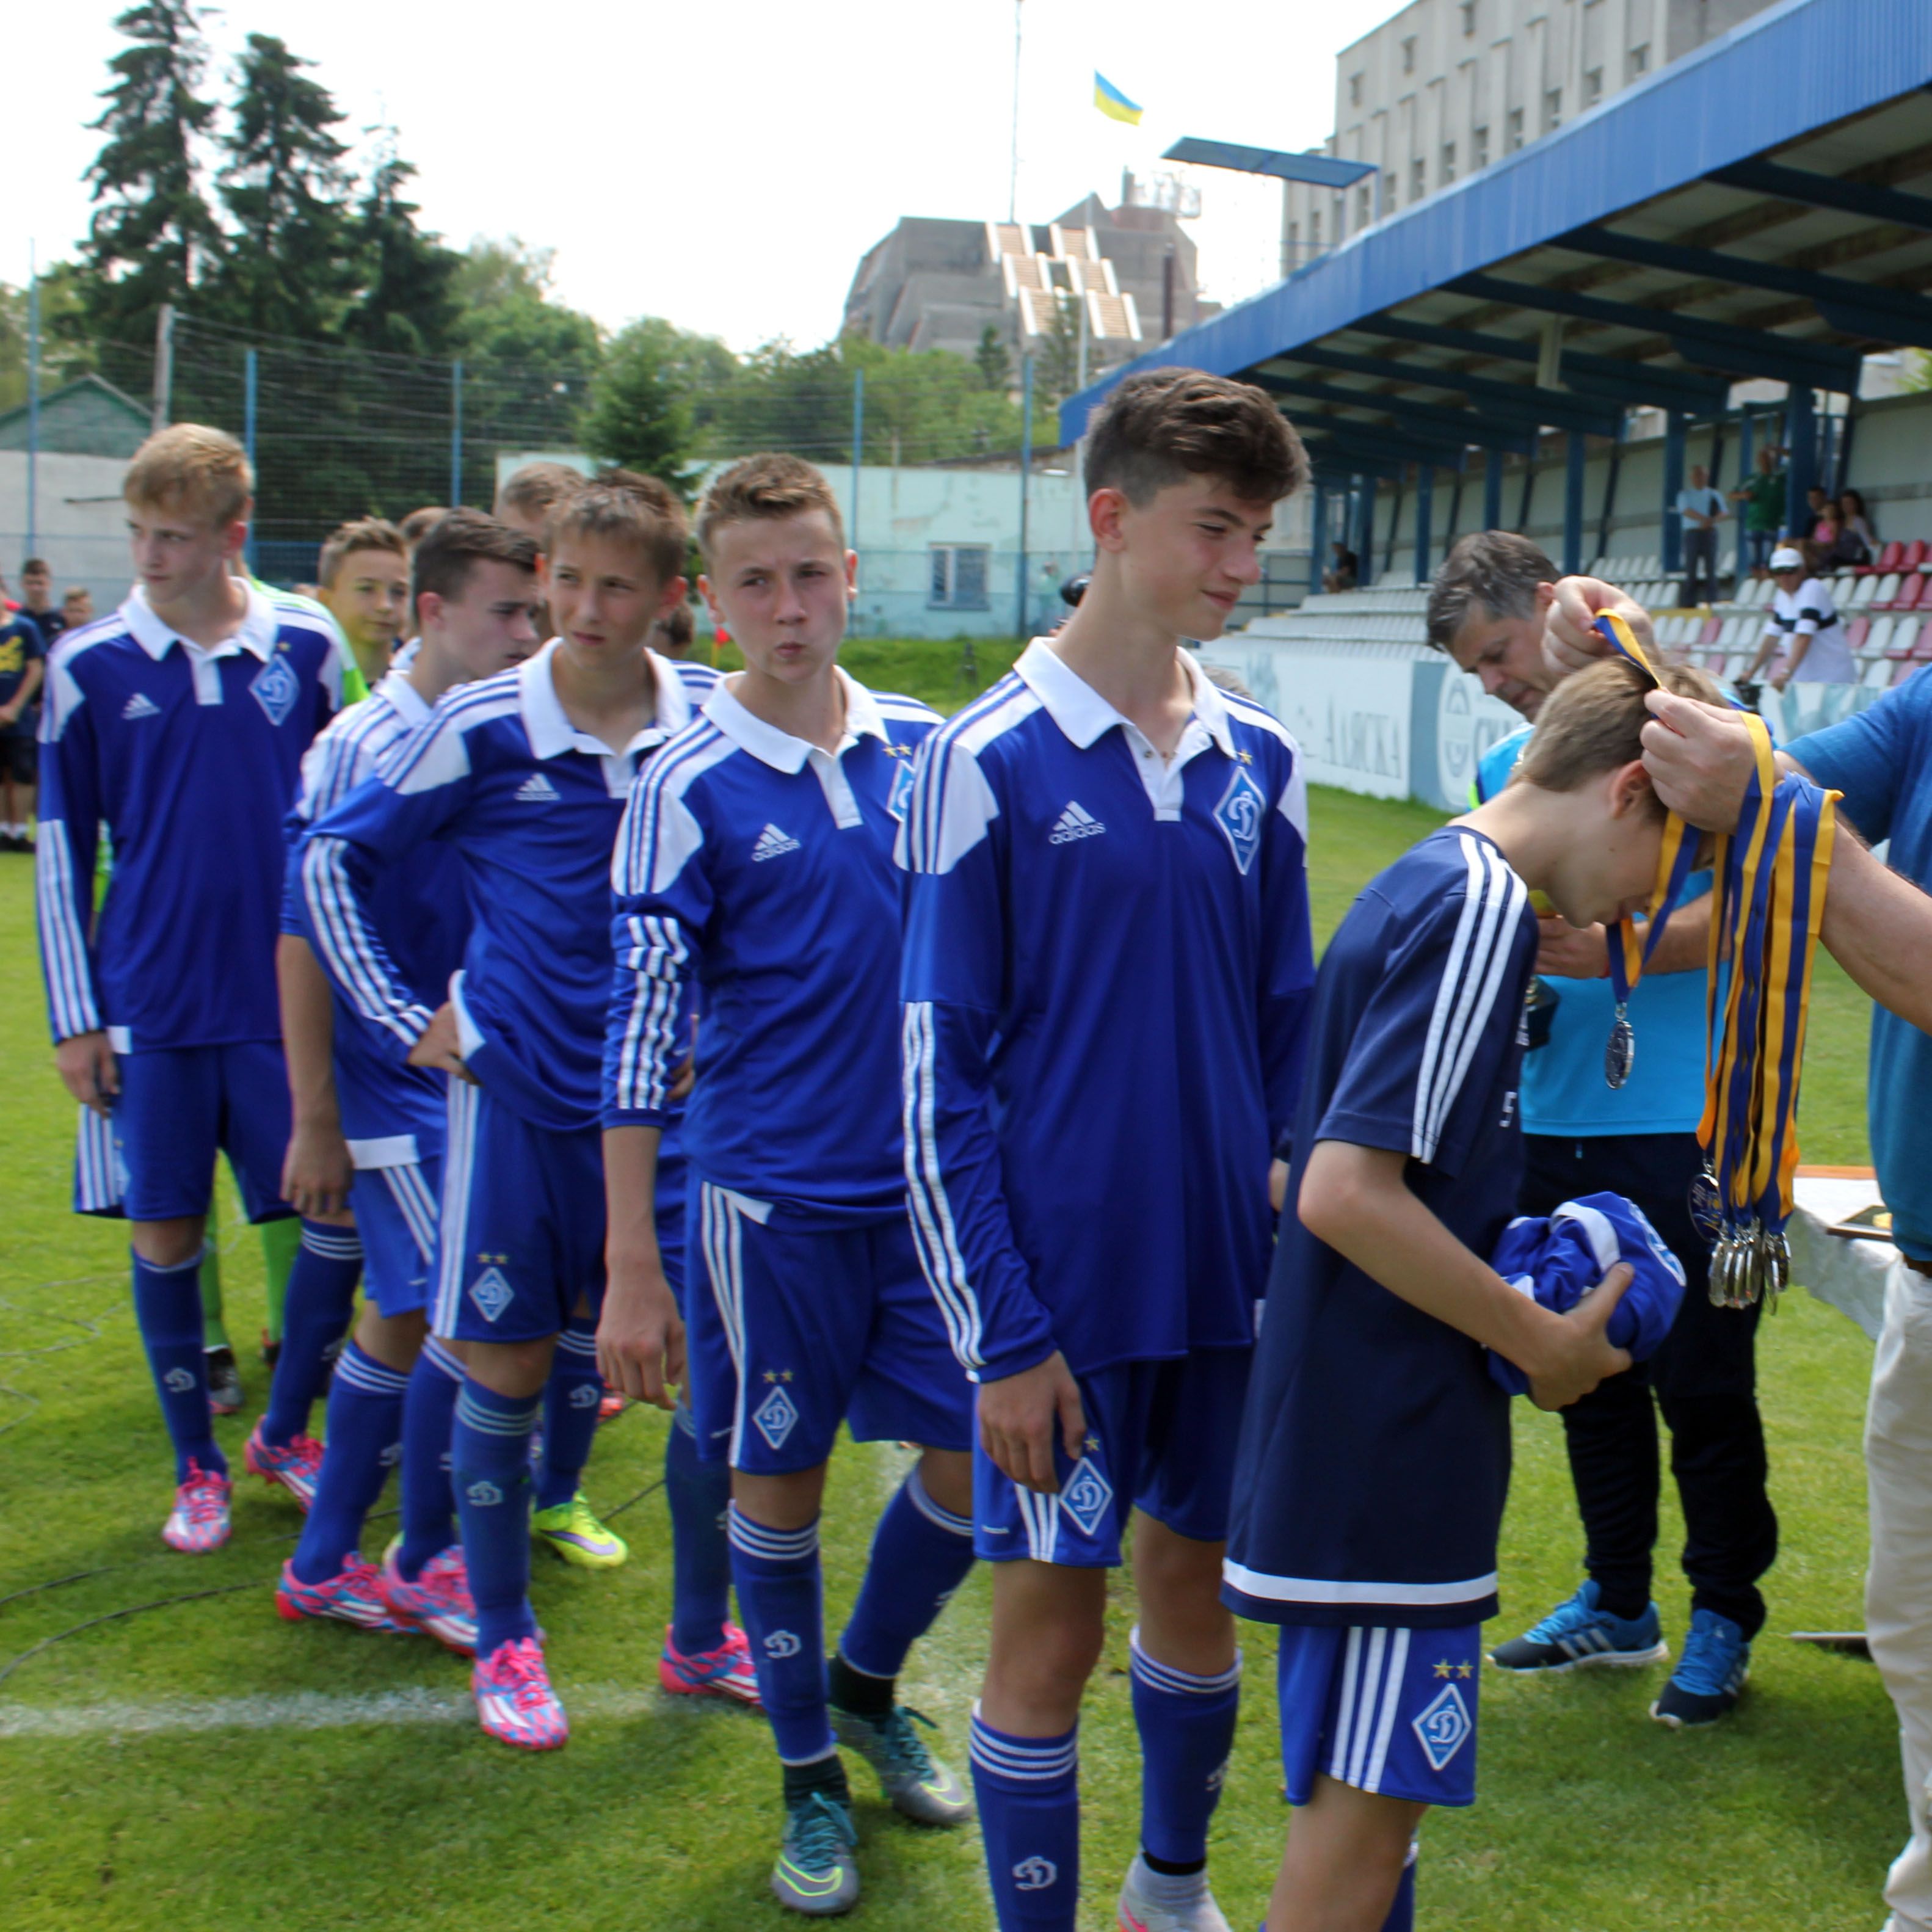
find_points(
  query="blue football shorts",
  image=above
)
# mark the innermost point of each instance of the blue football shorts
(1161, 1437)
(793, 1331)
(1390, 1710)
(179, 1106)
(522, 1223)
(397, 1209)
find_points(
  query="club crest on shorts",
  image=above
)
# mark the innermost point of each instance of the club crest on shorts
(1443, 1726)
(1036, 1873)
(1087, 1496)
(491, 1293)
(775, 1418)
(1239, 815)
(276, 688)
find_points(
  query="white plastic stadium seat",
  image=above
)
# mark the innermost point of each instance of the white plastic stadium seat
(1888, 589)
(1864, 589)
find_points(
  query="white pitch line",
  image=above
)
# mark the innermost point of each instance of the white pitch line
(303, 1711)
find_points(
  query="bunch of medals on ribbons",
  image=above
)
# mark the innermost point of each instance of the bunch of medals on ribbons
(1768, 905)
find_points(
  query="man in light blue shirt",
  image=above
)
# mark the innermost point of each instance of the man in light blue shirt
(1487, 610)
(1700, 509)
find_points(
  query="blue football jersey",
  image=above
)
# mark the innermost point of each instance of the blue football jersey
(1375, 1451)
(532, 806)
(1107, 971)
(391, 1112)
(191, 757)
(760, 867)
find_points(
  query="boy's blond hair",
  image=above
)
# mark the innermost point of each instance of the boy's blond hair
(757, 487)
(1593, 722)
(358, 533)
(191, 468)
(631, 509)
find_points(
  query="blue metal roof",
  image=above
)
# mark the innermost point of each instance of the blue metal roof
(1789, 73)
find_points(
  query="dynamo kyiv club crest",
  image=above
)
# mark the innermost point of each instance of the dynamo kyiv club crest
(1443, 1726)
(1239, 816)
(775, 1416)
(1086, 1496)
(277, 688)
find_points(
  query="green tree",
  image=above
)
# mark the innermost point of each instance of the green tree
(1056, 357)
(65, 352)
(290, 270)
(641, 411)
(153, 238)
(994, 360)
(407, 303)
(507, 314)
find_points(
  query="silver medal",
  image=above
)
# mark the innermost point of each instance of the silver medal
(1706, 1205)
(1619, 1051)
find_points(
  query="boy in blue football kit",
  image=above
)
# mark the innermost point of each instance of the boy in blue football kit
(1107, 967)
(180, 723)
(526, 775)
(1374, 1452)
(368, 1128)
(756, 861)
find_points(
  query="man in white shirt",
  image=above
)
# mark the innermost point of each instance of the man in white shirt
(1701, 509)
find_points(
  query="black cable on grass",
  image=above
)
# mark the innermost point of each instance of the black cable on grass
(133, 1610)
(646, 1490)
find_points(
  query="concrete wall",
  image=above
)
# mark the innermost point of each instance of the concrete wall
(80, 527)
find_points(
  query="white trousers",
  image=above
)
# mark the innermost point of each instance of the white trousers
(1898, 1586)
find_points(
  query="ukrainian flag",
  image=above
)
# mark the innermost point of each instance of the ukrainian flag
(1112, 102)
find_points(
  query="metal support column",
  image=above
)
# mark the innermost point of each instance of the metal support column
(1746, 468)
(249, 375)
(1425, 510)
(1673, 553)
(455, 433)
(1801, 434)
(1363, 542)
(1026, 464)
(33, 408)
(1318, 539)
(1573, 503)
(858, 452)
(1493, 491)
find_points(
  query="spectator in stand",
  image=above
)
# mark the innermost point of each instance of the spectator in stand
(1345, 568)
(77, 608)
(1858, 542)
(1763, 500)
(1701, 509)
(37, 600)
(1803, 619)
(1819, 511)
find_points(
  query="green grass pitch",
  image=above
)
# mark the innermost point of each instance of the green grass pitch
(203, 1765)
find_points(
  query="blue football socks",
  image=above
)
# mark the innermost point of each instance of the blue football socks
(167, 1310)
(781, 1598)
(429, 1421)
(321, 1296)
(1402, 1914)
(365, 1426)
(1028, 1793)
(571, 1399)
(490, 1457)
(698, 1495)
(1186, 1726)
(920, 1556)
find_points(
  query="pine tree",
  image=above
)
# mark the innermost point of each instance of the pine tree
(993, 360)
(638, 415)
(290, 270)
(408, 302)
(153, 238)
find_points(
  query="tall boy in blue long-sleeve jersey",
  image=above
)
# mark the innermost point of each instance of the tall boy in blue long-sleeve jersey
(179, 723)
(526, 775)
(1107, 964)
(757, 860)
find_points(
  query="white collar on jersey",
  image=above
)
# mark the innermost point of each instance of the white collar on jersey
(549, 726)
(1085, 716)
(780, 749)
(409, 704)
(257, 634)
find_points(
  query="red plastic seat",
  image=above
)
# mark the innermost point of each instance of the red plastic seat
(1709, 633)
(1915, 554)
(1909, 593)
(1907, 667)
(1890, 558)
(1922, 645)
(1856, 632)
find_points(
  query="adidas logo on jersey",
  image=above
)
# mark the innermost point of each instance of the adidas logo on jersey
(140, 706)
(1076, 822)
(772, 844)
(537, 790)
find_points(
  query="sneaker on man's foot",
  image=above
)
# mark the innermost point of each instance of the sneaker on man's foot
(817, 1869)
(917, 1784)
(198, 1521)
(353, 1594)
(438, 1602)
(611, 1404)
(572, 1530)
(514, 1703)
(225, 1393)
(296, 1464)
(1152, 1901)
(726, 1672)
(1710, 1676)
(1580, 1633)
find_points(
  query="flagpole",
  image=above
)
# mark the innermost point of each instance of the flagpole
(1013, 166)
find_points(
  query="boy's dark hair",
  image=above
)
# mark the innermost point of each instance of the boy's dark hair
(1495, 569)
(537, 488)
(633, 509)
(771, 485)
(458, 542)
(37, 563)
(676, 630)
(1158, 429)
(358, 533)
(1593, 722)
(419, 523)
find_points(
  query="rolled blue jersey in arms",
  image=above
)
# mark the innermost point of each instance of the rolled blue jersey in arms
(1881, 760)
(1107, 966)
(1374, 1451)
(421, 913)
(191, 758)
(759, 869)
(531, 805)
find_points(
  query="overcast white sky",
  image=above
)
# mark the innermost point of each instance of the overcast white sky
(726, 167)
